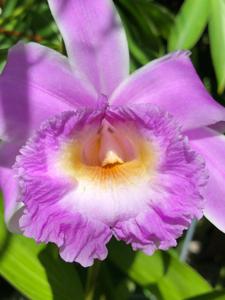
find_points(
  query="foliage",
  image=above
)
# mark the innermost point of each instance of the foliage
(153, 28)
(37, 272)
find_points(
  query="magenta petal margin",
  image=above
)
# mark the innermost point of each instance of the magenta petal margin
(78, 211)
(88, 152)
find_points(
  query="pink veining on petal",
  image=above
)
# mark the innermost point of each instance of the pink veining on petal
(176, 195)
(78, 198)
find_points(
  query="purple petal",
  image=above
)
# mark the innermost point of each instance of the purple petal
(89, 173)
(211, 145)
(36, 83)
(81, 238)
(173, 194)
(12, 209)
(172, 83)
(152, 230)
(95, 40)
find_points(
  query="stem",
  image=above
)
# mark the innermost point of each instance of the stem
(91, 281)
(187, 240)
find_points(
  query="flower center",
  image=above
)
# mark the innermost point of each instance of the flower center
(111, 159)
(109, 154)
(107, 147)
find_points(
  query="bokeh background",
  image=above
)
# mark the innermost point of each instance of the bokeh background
(195, 269)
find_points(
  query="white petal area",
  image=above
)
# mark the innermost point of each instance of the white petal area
(110, 190)
(110, 202)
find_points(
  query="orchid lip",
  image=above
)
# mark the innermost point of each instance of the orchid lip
(83, 172)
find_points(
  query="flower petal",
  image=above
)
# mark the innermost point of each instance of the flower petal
(95, 40)
(12, 209)
(211, 145)
(175, 190)
(172, 83)
(81, 238)
(36, 83)
(98, 171)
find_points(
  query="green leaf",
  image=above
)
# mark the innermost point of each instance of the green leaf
(136, 52)
(217, 295)
(189, 24)
(217, 40)
(161, 272)
(3, 55)
(162, 18)
(35, 271)
(143, 36)
(8, 8)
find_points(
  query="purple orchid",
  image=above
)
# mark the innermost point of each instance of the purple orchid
(89, 152)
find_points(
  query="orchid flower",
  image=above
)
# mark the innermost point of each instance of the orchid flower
(89, 152)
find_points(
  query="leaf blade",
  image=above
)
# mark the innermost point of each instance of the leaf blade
(34, 271)
(162, 270)
(189, 25)
(217, 41)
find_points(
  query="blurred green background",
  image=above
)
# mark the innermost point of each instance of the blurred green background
(154, 28)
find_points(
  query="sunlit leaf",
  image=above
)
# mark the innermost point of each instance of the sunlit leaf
(217, 295)
(172, 278)
(189, 24)
(35, 271)
(217, 40)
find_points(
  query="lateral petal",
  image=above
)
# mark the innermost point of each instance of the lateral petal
(36, 84)
(211, 145)
(172, 83)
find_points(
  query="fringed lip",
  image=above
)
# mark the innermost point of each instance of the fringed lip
(88, 175)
